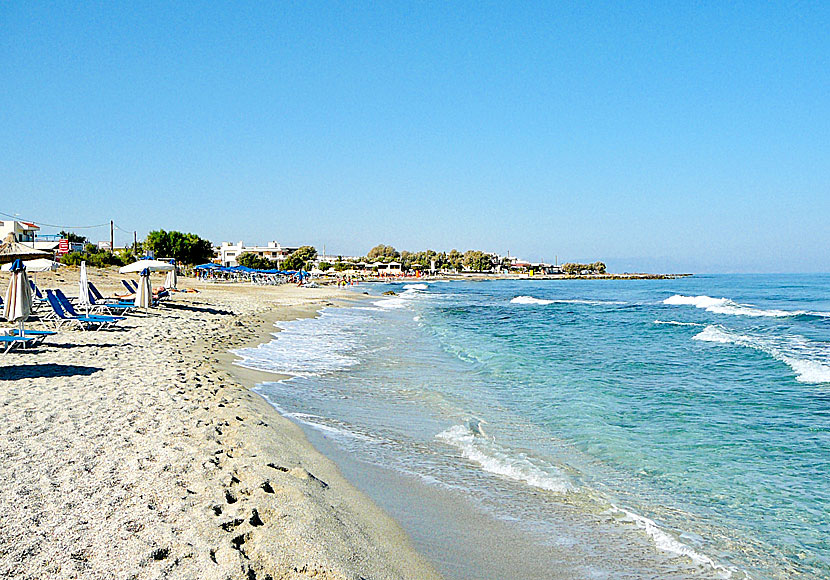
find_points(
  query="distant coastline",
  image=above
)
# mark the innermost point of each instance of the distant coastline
(487, 276)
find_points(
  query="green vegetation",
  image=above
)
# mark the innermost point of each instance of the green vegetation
(184, 248)
(324, 266)
(478, 261)
(251, 260)
(72, 237)
(573, 268)
(97, 258)
(383, 253)
(300, 259)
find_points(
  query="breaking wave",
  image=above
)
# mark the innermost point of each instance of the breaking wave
(542, 301)
(668, 543)
(727, 306)
(306, 347)
(529, 300)
(810, 361)
(677, 323)
(494, 459)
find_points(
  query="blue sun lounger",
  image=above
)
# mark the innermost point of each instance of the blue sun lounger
(60, 317)
(67, 305)
(38, 295)
(8, 342)
(99, 302)
(38, 335)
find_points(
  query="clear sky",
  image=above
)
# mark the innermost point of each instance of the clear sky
(680, 136)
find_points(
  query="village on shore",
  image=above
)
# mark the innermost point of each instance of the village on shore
(232, 261)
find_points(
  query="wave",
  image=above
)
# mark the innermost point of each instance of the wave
(477, 447)
(676, 323)
(668, 543)
(529, 300)
(306, 347)
(492, 458)
(542, 301)
(727, 306)
(808, 360)
(401, 300)
(416, 286)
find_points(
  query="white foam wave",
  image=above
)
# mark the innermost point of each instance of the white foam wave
(543, 301)
(494, 459)
(415, 286)
(317, 422)
(810, 361)
(306, 347)
(399, 301)
(529, 300)
(395, 302)
(668, 543)
(677, 323)
(727, 306)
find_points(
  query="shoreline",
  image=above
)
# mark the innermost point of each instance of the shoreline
(148, 441)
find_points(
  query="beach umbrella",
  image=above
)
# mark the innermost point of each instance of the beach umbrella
(32, 266)
(18, 305)
(151, 265)
(83, 288)
(171, 280)
(144, 293)
(11, 250)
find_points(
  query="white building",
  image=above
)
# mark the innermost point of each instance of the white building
(24, 232)
(229, 252)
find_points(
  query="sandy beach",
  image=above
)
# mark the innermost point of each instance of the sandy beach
(140, 452)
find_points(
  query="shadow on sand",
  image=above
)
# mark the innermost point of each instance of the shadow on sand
(50, 370)
(196, 309)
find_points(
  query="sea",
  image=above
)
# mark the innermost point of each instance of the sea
(578, 428)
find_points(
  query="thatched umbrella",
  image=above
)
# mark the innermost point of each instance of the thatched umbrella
(11, 250)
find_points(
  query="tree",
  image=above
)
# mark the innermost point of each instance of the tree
(380, 251)
(455, 260)
(324, 266)
(300, 258)
(573, 268)
(478, 261)
(251, 260)
(72, 237)
(185, 248)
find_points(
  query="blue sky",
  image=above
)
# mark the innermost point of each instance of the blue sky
(677, 136)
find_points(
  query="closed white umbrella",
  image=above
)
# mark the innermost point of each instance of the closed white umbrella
(144, 293)
(83, 289)
(141, 265)
(171, 280)
(18, 304)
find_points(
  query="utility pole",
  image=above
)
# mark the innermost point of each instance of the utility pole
(112, 236)
(135, 241)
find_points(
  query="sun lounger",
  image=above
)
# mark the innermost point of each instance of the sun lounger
(8, 342)
(128, 285)
(67, 305)
(38, 335)
(60, 317)
(107, 305)
(38, 297)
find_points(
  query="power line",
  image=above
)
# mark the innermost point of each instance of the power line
(18, 218)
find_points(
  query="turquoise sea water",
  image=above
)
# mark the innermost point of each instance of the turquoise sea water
(655, 428)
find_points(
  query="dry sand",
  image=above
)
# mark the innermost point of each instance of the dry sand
(140, 453)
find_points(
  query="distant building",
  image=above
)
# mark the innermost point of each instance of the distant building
(229, 252)
(24, 232)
